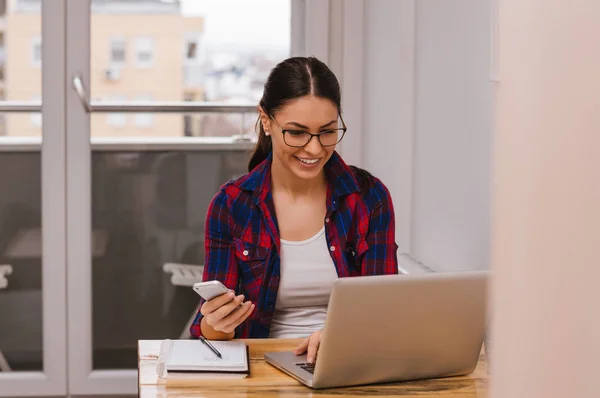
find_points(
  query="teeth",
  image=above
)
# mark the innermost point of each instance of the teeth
(308, 161)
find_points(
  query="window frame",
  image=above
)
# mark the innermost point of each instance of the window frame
(115, 41)
(143, 44)
(82, 378)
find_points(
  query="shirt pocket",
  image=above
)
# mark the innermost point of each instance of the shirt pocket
(252, 262)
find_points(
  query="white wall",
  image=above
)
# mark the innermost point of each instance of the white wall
(547, 201)
(388, 103)
(427, 124)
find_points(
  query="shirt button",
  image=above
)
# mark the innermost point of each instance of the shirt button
(245, 252)
(332, 248)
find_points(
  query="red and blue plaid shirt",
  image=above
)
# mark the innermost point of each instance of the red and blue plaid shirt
(242, 237)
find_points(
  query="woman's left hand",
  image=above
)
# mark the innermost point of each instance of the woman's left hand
(311, 343)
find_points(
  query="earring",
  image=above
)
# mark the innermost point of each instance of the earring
(267, 133)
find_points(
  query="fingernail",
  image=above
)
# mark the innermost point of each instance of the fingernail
(310, 359)
(231, 294)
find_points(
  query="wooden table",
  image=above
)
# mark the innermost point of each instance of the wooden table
(266, 380)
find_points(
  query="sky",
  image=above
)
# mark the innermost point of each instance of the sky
(263, 24)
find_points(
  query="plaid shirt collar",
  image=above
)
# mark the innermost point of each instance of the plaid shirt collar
(338, 173)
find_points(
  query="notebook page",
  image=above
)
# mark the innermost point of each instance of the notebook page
(193, 354)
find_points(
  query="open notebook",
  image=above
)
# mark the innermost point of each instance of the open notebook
(192, 356)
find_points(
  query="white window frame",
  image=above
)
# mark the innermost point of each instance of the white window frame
(36, 42)
(114, 42)
(52, 381)
(82, 378)
(142, 44)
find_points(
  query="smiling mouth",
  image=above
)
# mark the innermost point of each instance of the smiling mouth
(308, 161)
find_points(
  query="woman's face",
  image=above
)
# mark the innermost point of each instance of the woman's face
(306, 114)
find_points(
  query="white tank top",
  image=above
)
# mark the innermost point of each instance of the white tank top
(307, 272)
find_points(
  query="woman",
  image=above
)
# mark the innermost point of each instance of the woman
(280, 235)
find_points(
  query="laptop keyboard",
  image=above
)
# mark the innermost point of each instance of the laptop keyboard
(309, 367)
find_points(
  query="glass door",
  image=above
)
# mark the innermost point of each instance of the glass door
(32, 203)
(161, 113)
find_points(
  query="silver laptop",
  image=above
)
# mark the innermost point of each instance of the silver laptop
(396, 328)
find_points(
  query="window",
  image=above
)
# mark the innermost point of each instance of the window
(191, 52)
(117, 51)
(144, 119)
(35, 119)
(36, 52)
(192, 68)
(171, 48)
(192, 48)
(187, 126)
(116, 119)
(144, 52)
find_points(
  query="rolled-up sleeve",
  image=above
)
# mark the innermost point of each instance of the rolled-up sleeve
(381, 256)
(219, 260)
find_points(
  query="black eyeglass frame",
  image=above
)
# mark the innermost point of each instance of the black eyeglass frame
(284, 131)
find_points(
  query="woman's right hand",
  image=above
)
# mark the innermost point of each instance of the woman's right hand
(226, 312)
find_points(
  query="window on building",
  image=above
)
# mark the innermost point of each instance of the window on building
(144, 119)
(188, 119)
(35, 119)
(144, 52)
(187, 126)
(192, 47)
(116, 119)
(36, 52)
(117, 51)
(192, 68)
(192, 50)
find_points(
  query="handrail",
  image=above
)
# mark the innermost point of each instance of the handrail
(20, 106)
(139, 144)
(131, 106)
(155, 106)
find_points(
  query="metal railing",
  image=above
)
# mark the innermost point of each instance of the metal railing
(235, 142)
(13, 144)
(157, 107)
(20, 106)
(131, 106)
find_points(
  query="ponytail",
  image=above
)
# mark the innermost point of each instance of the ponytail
(293, 78)
(262, 149)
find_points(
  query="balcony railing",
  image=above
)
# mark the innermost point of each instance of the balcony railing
(233, 143)
(148, 207)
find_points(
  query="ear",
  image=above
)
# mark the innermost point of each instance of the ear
(265, 120)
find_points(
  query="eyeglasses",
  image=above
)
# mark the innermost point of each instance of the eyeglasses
(300, 138)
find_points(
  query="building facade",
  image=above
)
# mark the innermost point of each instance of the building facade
(141, 51)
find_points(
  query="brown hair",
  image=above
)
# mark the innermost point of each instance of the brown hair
(293, 78)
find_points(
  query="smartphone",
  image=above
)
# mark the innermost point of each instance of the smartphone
(210, 289)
